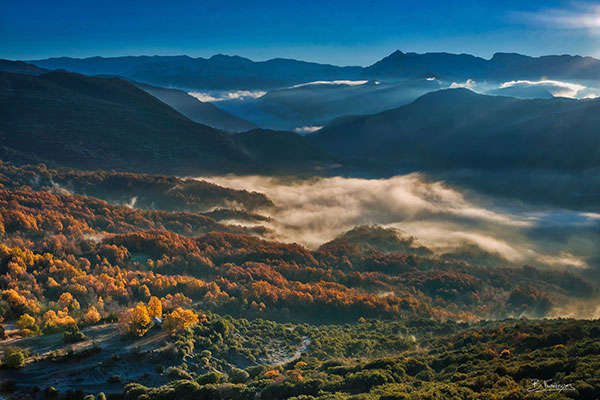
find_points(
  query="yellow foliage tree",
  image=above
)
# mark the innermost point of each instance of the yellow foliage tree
(57, 321)
(74, 305)
(26, 321)
(179, 319)
(92, 316)
(144, 291)
(154, 307)
(135, 321)
(65, 299)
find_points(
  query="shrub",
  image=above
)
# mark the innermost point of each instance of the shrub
(271, 373)
(363, 381)
(211, 377)
(237, 375)
(73, 336)
(178, 373)
(14, 357)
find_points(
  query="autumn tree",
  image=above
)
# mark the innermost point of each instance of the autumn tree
(57, 321)
(154, 307)
(179, 319)
(26, 321)
(65, 299)
(144, 291)
(135, 321)
(27, 324)
(92, 316)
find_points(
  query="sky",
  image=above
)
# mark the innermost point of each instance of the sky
(344, 32)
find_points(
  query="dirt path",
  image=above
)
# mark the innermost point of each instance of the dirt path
(279, 359)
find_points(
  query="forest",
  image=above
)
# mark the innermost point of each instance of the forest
(369, 315)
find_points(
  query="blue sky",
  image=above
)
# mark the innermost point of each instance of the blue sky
(345, 32)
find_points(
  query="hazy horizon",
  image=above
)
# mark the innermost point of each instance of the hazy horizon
(338, 33)
(384, 55)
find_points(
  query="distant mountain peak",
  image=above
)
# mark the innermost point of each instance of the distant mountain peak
(449, 95)
(20, 67)
(508, 56)
(225, 57)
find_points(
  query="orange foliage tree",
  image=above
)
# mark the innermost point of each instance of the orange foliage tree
(154, 307)
(179, 319)
(92, 316)
(135, 321)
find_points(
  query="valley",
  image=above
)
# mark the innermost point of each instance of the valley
(425, 226)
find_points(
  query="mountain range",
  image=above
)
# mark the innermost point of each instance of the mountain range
(198, 111)
(493, 143)
(457, 128)
(217, 72)
(234, 72)
(501, 67)
(93, 122)
(316, 104)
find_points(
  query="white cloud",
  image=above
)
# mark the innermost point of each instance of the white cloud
(579, 16)
(469, 84)
(339, 82)
(307, 129)
(556, 88)
(235, 95)
(205, 97)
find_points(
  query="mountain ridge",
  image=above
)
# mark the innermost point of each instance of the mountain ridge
(205, 113)
(220, 72)
(457, 128)
(91, 123)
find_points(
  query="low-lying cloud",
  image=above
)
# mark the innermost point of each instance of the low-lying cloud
(221, 96)
(556, 88)
(314, 211)
(469, 84)
(304, 130)
(337, 82)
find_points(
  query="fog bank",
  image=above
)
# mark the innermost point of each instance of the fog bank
(443, 218)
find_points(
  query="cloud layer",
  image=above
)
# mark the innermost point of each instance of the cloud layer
(317, 210)
(303, 130)
(221, 96)
(556, 88)
(338, 82)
